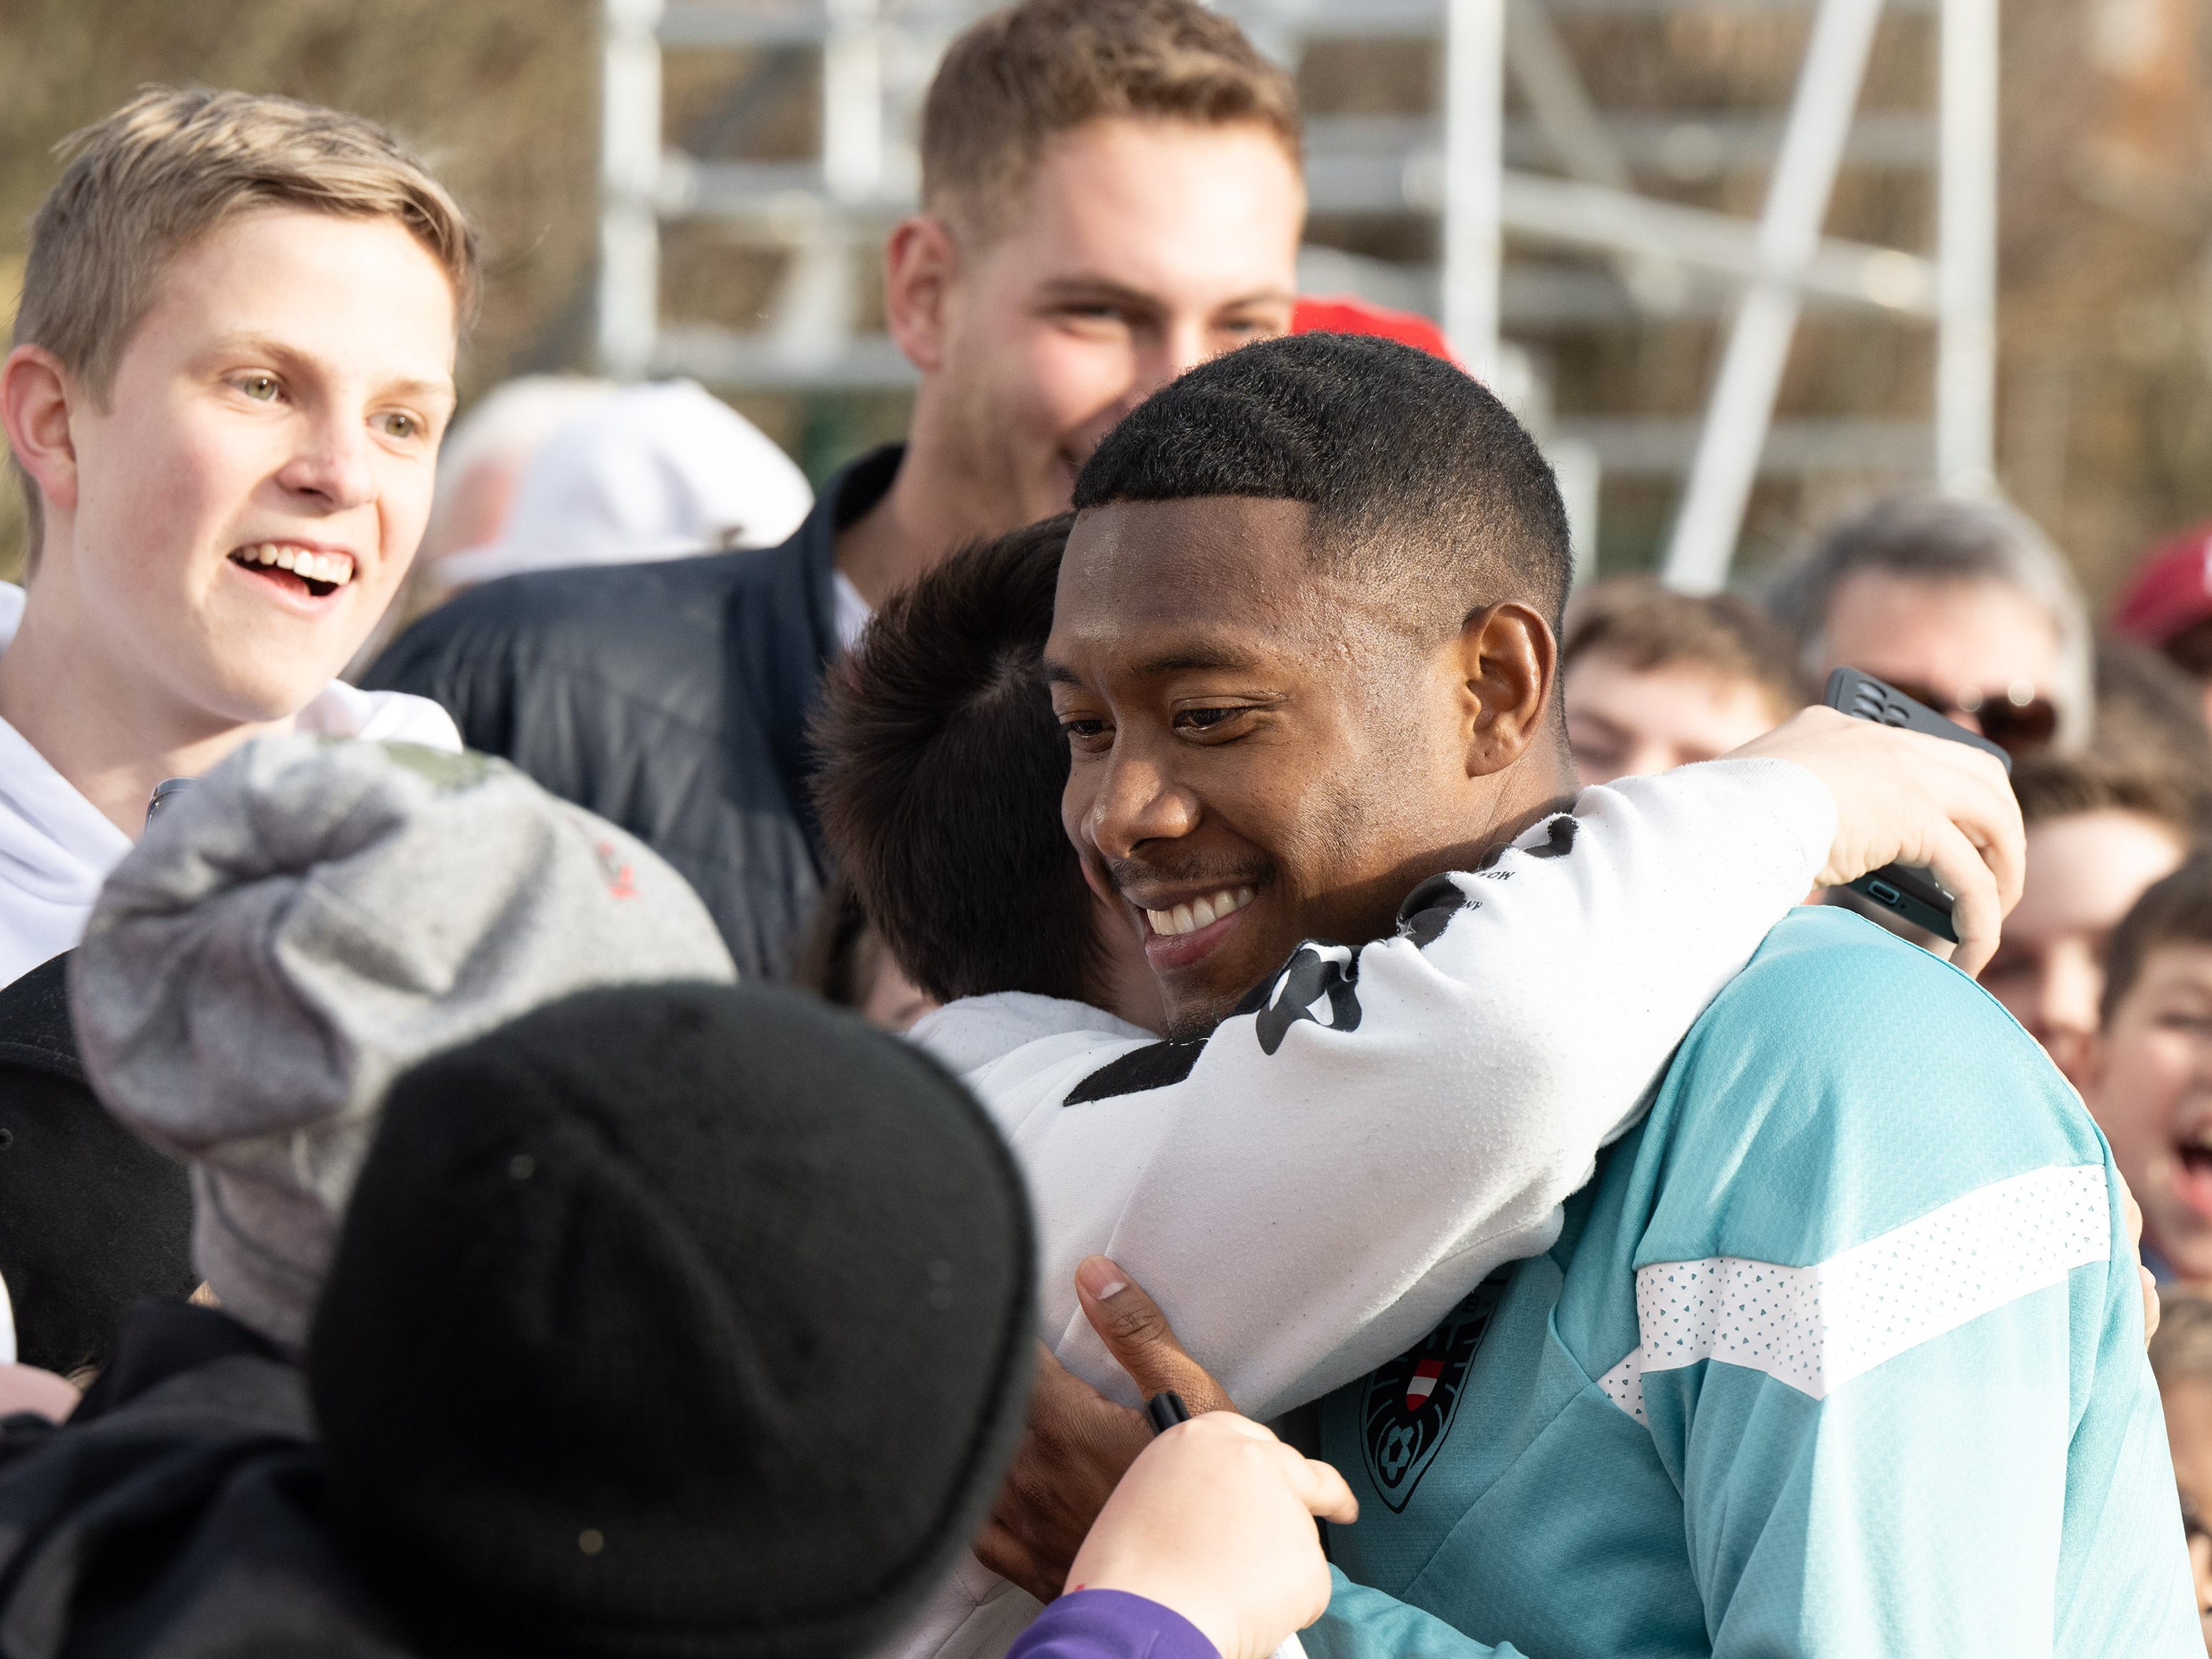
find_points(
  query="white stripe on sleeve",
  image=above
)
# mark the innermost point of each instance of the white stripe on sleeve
(1816, 1328)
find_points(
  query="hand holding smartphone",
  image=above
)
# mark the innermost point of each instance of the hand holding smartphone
(1905, 890)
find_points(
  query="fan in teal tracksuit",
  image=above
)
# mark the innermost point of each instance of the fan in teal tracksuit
(1841, 1353)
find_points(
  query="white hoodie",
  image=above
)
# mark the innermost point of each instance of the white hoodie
(1308, 1191)
(56, 847)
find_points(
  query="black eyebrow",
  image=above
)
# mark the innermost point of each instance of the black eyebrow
(1194, 658)
(1191, 659)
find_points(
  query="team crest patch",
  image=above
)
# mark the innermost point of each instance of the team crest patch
(1410, 1403)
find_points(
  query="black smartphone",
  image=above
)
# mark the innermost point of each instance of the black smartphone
(1904, 890)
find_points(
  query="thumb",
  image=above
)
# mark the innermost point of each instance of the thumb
(1320, 1488)
(1140, 1340)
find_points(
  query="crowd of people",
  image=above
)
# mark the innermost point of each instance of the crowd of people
(1133, 1032)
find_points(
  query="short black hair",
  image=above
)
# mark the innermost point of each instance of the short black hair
(1418, 476)
(942, 768)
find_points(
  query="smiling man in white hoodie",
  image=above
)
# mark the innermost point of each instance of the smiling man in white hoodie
(231, 368)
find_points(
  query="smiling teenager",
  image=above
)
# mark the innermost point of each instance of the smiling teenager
(1110, 193)
(231, 366)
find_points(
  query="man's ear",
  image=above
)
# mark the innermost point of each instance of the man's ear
(920, 264)
(34, 406)
(1509, 659)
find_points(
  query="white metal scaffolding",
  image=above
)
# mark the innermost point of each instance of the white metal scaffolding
(1518, 150)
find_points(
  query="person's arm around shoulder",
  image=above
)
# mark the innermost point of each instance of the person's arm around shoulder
(1510, 1029)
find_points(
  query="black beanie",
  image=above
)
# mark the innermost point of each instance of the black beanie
(679, 1320)
(92, 1218)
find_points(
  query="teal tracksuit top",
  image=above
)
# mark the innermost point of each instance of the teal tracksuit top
(1840, 1353)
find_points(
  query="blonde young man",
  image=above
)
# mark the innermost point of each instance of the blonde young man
(1111, 194)
(231, 368)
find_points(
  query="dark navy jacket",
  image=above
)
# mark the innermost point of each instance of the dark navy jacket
(672, 698)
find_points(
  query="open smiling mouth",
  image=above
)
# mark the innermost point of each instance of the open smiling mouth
(1199, 913)
(2195, 1155)
(298, 569)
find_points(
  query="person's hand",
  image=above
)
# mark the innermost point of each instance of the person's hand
(1141, 1341)
(1907, 798)
(2133, 1212)
(1078, 1443)
(29, 1388)
(1215, 1520)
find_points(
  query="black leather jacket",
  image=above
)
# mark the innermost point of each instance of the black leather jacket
(672, 698)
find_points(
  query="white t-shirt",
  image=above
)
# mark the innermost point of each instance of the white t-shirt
(56, 847)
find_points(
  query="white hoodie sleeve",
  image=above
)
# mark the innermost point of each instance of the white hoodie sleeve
(1309, 1188)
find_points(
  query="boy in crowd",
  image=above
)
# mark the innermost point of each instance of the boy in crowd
(2100, 832)
(2147, 1074)
(1251, 656)
(1110, 192)
(232, 365)
(1656, 680)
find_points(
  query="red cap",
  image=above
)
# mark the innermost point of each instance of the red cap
(1346, 313)
(2171, 590)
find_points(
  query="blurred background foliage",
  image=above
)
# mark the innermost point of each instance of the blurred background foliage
(2106, 393)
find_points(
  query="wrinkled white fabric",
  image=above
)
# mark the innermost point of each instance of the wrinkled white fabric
(56, 847)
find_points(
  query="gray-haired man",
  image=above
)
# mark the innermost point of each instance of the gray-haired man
(1964, 605)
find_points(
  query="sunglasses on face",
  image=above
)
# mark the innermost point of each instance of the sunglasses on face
(2016, 720)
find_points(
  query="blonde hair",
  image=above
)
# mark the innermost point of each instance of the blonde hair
(170, 167)
(1020, 76)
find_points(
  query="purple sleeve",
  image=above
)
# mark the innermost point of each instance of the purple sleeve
(1106, 1624)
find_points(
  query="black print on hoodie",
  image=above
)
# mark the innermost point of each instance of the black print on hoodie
(1318, 975)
